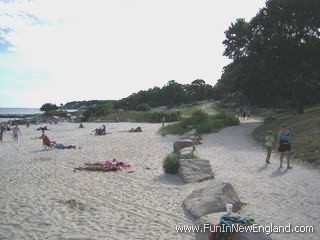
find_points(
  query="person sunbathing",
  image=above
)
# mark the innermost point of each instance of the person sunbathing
(63, 146)
(104, 165)
(138, 129)
(47, 142)
(53, 144)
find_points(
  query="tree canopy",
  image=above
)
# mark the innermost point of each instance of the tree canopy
(275, 55)
(49, 107)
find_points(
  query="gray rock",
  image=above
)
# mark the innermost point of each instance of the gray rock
(186, 153)
(214, 219)
(212, 198)
(194, 170)
(182, 143)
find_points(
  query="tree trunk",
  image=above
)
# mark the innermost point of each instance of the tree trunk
(299, 96)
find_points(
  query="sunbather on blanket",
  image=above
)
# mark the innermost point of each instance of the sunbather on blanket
(104, 165)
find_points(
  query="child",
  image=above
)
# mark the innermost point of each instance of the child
(269, 142)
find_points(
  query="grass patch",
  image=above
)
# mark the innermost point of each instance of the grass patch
(187, 112)
(137, 116)
(305, 130)
(203, 123)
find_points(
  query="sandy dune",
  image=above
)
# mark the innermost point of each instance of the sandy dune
(38, 187)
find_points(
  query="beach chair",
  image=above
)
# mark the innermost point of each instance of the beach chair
(46, 143)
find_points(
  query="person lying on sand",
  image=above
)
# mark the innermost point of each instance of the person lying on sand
(104, 165)
(53, 144)
(138, 129)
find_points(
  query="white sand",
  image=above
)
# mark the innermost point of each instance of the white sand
(35, 185)
(145, 204)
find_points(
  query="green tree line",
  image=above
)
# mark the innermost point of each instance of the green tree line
(276, 55)
(171, 94)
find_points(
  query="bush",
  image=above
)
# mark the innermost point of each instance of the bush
(203, 123)
(55, 113)
(143, 107)
(171, 163)
(156, 117)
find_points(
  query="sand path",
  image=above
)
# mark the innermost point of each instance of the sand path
(273, 195)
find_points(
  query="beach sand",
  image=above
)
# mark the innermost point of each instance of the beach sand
(42, 198)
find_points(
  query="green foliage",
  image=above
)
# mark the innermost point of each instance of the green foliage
(171, 163)
(275, 55)
(171, 94)
(98, 111)
(203, 123)
(48, 107)
(187, 112)
(143, 107)
(55, 113)
(156, 117)
(128, 116)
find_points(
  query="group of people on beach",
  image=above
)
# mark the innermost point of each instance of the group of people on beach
(15, 132)
(283, 143)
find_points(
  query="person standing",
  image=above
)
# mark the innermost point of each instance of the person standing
(284, 144)
(269, 143)
(1, 132)
(15, 132)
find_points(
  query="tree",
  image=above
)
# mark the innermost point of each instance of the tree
(278, 50)
(143, 107)
(48, 107)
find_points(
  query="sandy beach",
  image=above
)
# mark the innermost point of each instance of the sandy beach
(42, 198)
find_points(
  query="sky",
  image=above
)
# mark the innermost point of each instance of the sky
(57, 51)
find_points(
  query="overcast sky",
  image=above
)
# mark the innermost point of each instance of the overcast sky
(69, 50)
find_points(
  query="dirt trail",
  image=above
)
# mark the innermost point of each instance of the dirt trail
(273, 195)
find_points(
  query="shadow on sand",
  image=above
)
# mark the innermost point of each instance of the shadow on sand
(263, 168)
(279, 172)
(169, 179)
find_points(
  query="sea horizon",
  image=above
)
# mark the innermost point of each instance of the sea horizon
(19, 110)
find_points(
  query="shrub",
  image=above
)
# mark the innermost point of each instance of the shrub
(203, 123)
(171, 163)
(143, 107)
(156, 117)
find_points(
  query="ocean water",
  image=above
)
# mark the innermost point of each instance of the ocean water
(17, 111)
(20, 110)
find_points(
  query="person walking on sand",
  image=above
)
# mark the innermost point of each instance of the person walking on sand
(284, 144)
(1, 132)
(269, 143)
(15, 132)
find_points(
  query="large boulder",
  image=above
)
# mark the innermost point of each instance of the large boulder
(192, 135)
(182, 143)
(212, 198)
(195, 170)
(205, 225)
(186, 153)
